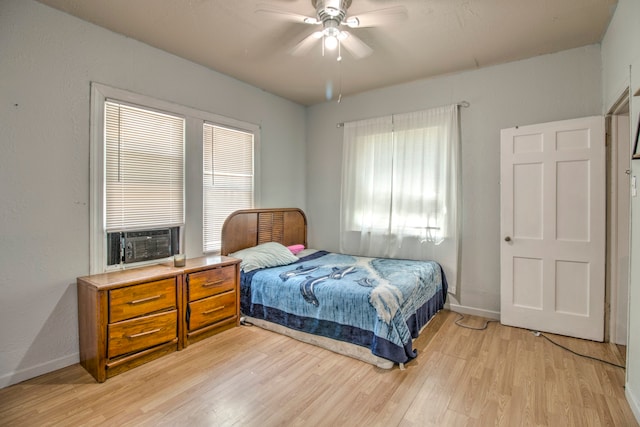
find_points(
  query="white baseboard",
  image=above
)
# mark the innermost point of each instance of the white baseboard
(495, 315)
(633, 401)
(35, 371)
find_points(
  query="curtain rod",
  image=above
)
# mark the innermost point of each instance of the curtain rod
(464, 104)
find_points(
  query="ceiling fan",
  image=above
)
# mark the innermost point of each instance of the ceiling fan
(332, 16)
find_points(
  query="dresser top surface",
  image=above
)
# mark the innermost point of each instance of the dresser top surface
(133, 276)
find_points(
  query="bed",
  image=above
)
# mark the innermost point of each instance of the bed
(367, 308)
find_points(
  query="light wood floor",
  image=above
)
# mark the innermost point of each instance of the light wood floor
(251, 377)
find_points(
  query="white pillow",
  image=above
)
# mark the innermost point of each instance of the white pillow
(269, 254)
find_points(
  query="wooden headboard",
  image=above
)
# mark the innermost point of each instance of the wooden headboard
(250, 227)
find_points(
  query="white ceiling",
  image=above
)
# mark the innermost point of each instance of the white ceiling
(438, 37)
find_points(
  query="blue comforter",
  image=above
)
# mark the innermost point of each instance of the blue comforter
(378, 303)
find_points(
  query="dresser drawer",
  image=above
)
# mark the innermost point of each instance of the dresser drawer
(211, 282)
(141, 333)
(212, 309)
(138, 300)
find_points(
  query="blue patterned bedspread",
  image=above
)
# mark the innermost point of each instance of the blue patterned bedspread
(377, 303)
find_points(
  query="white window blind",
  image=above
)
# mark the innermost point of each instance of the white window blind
(144, 168)
(227, 179)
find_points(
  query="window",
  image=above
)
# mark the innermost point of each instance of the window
(400, 186)
(144, 179)
(227, 178)
(396, 184)
(146, 171)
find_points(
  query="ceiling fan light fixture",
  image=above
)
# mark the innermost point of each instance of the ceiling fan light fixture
(331, 29)
(332, 14)
(330, 42)
(331, 34)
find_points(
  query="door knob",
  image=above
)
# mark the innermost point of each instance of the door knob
(507, 239)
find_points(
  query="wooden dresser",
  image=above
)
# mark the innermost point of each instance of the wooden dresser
(130, 317)
(212, 297)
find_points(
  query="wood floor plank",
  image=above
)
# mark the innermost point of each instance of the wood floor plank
(499, 376)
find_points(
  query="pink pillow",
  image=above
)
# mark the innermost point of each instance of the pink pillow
(295, 248)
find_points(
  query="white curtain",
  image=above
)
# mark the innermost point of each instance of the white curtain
(401, 188)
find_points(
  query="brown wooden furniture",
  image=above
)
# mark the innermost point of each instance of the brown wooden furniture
(250, 227)
(130, 317)
(212, 297)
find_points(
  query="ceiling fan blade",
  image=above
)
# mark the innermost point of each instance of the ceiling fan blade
(354, 45)
(375, 18)
(285, 15)
(306, 44)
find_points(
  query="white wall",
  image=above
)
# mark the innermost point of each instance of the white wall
(49, 58)
(47, 62)
(620, 50)
(546, 88)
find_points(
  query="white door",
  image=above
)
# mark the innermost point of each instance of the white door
(553, 227)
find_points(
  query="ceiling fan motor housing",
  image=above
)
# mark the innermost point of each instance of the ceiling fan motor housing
(331, 10)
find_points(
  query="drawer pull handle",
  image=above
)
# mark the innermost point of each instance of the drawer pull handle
(140, 301)
(213, 310)
(141, 334)
(217, 282)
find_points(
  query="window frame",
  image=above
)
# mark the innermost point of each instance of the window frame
(193, 196)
